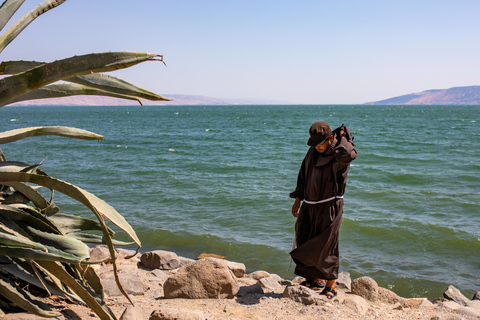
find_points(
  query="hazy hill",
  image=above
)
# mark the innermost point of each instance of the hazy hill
(178, 99)
(453, 96)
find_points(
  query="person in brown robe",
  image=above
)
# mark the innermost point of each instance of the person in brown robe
(319, 193)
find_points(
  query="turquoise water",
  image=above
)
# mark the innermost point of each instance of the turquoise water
(196, 179)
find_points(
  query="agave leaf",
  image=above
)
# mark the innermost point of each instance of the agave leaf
(24, 21)
(99, 207)
(21, 83)
(7, 10)
(66, 90)
(61, 242)
(37, 199)
(16, 213)
(95, 239)
(67, 132)
(89, 297)
(17, 166)
(9, 237)
(100, 81)
(34, 254)
(70, 223)
(23, 298)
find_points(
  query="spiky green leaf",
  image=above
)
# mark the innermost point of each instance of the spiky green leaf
(67, 132)
(99, 207)
(70, 223)
(21, 83)
(24, 21)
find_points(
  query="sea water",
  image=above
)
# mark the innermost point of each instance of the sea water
(216, 179)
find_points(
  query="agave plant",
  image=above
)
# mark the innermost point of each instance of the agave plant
(39, 244)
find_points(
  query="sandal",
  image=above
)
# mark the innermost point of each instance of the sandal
(329, 293)
(313, 285)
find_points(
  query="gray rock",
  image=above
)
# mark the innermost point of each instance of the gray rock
(269, 283)
(476, 296)
(468, 311)
(474, 304)
(257, 275)
(184, 261)
(175, 314)
(130, 313)
(365, 287)
(415, 303)
(253, 289)
(101, 253)
(160, 259)
(124, 253)
(302, 294)
(203, 279)
(344, 281)
(450, 305)
(237, 268)
(390, 297)
(455, 295)
(130, 282)
(357, 303)
(29, 316)
(160, 274)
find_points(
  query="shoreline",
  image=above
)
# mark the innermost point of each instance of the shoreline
(148, 278)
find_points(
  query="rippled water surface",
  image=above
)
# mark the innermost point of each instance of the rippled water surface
(196, 179)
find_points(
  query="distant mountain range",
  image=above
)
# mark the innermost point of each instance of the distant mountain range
(178, 99)
(453, 96)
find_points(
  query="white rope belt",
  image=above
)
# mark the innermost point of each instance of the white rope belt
(323, 201)
(310, 202)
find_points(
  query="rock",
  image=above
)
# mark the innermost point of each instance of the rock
(357, 303)
(451, 305)
(29, 316)
(390, 297)
(184, 261)
(298, 280)
(124, 253)
(469, 312)
(269, 283)
(101, 253)
(476, 296)
(344, 281)
(474, 304)
(203, 279)
(455, 295)
(415, 303)
(160, 259)
(365, 287)
(257, 275)
(175, 314)
(238, 269)
(302, 294)
(160, 274)
(129, 281)
(253, 289)
(130, 313)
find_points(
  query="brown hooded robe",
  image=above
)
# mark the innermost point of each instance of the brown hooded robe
(317, 228)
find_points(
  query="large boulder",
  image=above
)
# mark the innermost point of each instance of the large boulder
(237, 268)
(365, 287)
(202, 279)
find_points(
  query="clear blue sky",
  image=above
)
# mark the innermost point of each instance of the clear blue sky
(312, 52)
